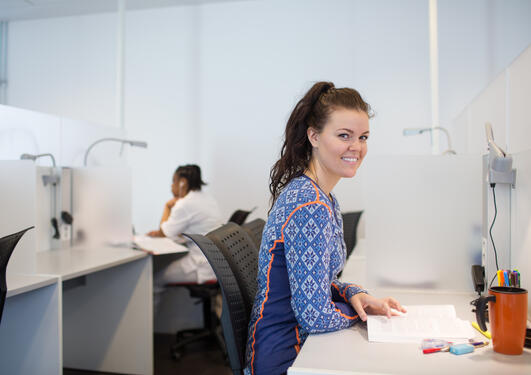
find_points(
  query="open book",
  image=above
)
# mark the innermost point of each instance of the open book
(420, 322)
(158, 245)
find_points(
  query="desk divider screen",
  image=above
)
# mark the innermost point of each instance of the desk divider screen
(423, 221)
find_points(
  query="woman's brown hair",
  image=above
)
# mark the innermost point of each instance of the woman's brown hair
(313, 110)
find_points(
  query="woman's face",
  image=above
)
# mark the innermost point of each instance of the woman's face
(342, 144)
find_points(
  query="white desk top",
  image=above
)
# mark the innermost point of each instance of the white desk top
(21, 283)
(79, 261)
(349, 352)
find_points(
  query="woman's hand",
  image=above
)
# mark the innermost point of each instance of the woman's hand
(156, 233)
(171, 203)
(366, 304)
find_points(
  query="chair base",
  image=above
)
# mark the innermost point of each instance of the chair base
(211, 324)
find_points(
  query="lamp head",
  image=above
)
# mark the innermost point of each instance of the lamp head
(28, 157)
(138, 143)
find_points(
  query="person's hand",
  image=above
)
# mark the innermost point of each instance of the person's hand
(366, 304)
(171, 203)
(155, 233)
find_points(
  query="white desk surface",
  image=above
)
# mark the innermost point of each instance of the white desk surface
(22, 283)
(349, 352)
(80, 261)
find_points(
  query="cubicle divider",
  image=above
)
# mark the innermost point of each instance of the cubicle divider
(17, 202)
(423, 221)
(63, 295)
(521, 221)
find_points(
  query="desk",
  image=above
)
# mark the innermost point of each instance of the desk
(30, 333)
(107, 307)
(349, 352)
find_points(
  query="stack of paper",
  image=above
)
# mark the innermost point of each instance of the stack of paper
(158, 245)
(420, 322)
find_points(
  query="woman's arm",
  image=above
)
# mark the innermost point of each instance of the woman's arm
(307, 244)
(165, 216)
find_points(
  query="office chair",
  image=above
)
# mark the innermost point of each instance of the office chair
(242, 255)
(206, 294)
(234, 318)
(254, 229)
(350, 228)
(7, 245)
(239, 216)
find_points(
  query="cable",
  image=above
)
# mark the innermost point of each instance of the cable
(490, 231)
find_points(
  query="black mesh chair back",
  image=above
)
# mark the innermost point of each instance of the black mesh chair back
(234, 318)
(350, 227)
(7, 245)
(239, 217)
(242, 255)
(254, 229)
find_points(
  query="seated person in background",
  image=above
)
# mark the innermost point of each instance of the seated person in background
(189, 211)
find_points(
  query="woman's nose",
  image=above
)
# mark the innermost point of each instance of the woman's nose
(355, 144)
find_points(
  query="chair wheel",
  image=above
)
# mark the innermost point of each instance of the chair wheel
(176, 355)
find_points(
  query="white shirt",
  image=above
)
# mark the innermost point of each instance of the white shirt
(196, 213)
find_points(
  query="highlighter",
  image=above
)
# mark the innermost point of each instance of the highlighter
(484, 333)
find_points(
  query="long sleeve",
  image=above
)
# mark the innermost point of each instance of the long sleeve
(308, 243)
(344, 291)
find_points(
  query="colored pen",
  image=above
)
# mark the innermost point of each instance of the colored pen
(435, 350)
(500, 277)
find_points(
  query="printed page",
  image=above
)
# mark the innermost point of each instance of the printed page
(420, 322)
(158, 245)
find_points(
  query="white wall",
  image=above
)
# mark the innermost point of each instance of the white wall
(64, 66)
(215, 83)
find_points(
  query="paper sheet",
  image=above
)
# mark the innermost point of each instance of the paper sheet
(158, 245)
(420, 322)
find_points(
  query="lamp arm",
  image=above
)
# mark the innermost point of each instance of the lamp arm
(440, 128)
(99, 141)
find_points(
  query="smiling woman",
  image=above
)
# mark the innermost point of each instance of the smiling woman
(302, 248)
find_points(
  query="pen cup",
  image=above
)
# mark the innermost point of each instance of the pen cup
(508, 318)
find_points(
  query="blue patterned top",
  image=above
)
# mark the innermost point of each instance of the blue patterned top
(302, 252)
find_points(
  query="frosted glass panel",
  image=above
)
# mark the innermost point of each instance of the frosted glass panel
(521, 221)
(101, 205)
(423, 221)
(17, 211)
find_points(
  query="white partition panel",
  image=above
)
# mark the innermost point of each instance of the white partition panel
(23, 131)
(101, 205)
(17, 210)
(519, 99)
(521, 221)
(423, 218)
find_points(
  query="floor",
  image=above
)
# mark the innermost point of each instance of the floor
(202, 358)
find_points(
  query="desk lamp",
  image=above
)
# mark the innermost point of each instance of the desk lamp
(122, 141)
(415, 131)
(52, 179)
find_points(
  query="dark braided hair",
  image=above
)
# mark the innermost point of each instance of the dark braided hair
(192, 173)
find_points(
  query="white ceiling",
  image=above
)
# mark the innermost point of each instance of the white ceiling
(29, 9)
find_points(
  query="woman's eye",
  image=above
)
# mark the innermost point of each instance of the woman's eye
(344, 136)
(364, 137)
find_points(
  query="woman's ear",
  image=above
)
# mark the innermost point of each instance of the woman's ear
(313, 136)
(183, 187)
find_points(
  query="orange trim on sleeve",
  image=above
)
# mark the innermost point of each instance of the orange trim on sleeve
(298, 345)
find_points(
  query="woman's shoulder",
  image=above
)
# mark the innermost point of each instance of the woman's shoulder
(298, 193)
